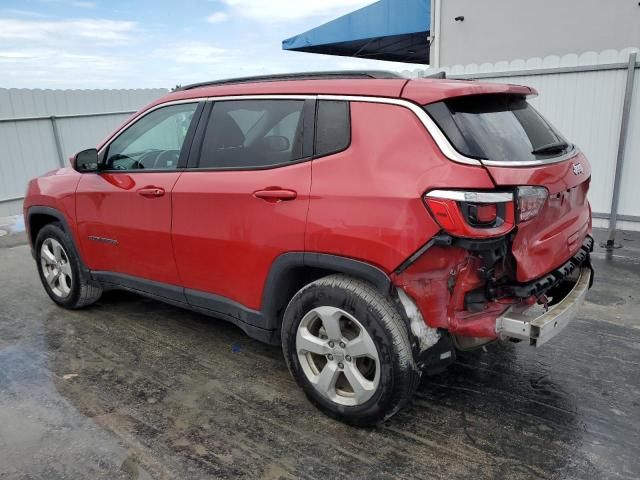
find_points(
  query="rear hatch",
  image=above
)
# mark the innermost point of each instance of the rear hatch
(519, 147)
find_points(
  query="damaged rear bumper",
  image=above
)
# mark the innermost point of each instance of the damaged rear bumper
(538, 330)
(548, 281)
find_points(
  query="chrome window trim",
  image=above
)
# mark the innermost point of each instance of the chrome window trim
(472, 197)
(438, 136)
(198, 100)
(534, 163)
(262, 97)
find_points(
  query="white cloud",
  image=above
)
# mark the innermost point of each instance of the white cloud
(50, 68)
(91, 31)
(193, 52)
(217, 17)
(288, 10)
(26, 13)
(78, 52)
(84, 4)
(102, 53)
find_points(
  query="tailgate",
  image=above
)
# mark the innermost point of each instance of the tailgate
(520, 148)
(556, 233)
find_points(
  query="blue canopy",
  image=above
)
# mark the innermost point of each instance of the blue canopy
(395, 30)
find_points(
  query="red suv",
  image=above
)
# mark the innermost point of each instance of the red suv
(370, 224)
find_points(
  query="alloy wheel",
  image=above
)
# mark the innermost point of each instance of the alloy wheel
(56, 268)
(338, 356)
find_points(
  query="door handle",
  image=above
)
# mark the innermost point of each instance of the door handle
(275, 195)
(151, 192)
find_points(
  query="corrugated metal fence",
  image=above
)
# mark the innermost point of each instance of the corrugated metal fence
(40, 129)
(583, 96)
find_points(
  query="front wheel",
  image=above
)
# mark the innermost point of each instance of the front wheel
(348, 348)
(60, 269)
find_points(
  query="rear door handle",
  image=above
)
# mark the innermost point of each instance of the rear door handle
(275, 195)
(151, 192)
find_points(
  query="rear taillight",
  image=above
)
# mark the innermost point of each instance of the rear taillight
(484, 214)
(472, 214)
(530, 201)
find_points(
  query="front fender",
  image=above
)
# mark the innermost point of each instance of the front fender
(54, 191)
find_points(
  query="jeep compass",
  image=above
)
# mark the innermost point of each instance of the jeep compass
(371, 225)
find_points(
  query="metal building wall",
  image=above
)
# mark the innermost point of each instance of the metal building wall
(494, 30)
(28, 147)
(583, 96)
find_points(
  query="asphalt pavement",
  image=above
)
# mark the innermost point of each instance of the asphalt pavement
(134, 389)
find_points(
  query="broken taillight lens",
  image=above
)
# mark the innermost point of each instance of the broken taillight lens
(530, 201)
(472, 214)
(483, 214)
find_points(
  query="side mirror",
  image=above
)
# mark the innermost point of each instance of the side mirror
(86, 161)
(275, 144)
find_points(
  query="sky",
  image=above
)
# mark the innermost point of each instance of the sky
(145, 43)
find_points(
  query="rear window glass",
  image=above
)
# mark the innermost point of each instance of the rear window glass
(497, 127)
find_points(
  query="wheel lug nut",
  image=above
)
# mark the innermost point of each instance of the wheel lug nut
(330, 357)
(348, 358)
(340, 366)
(331, 344)
(342, 345)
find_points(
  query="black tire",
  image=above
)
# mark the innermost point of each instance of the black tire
(82, 292)
(399, 375)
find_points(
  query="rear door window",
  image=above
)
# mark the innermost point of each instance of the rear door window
(248, 134)
(497, 127)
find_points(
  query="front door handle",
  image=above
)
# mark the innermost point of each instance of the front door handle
(151, 192)
(275, 195)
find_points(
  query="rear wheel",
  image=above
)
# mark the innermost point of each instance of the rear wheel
(60, 269)
(348, 348)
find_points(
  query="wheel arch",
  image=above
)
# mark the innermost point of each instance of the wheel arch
(39, 216)
(292, 271)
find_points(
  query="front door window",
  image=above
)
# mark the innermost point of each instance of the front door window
(152, 143)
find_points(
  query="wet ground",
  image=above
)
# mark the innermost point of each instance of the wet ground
(132, 388)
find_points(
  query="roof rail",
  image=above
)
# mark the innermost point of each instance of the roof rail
(344, 74)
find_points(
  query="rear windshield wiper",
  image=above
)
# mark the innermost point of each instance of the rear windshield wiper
(551, 148)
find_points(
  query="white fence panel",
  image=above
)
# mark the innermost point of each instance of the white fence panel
(94, 130)
(28, 147)
(630, 187)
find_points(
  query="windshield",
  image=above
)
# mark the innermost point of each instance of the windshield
(497, 127)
